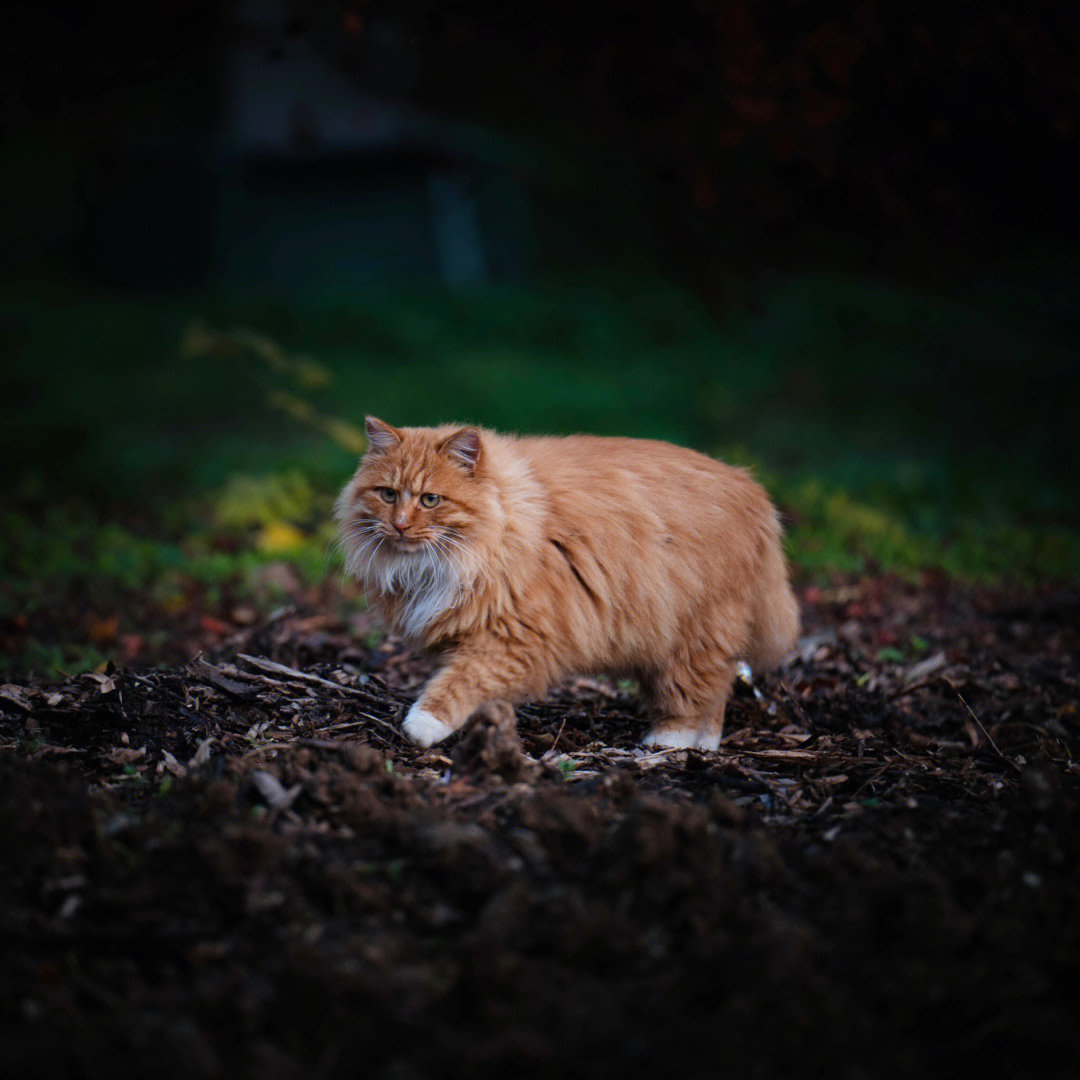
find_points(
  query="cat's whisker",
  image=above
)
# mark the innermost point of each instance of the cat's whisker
(432, 558)
(350, 534)
(456, 551)
(450, 542)
(439, 545)
(354, 548)
(355, 551)
(371, 557)
(359, 532)
(332, 545)
(458, 556)
(361, 522)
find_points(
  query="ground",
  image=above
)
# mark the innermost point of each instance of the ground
(236, 865)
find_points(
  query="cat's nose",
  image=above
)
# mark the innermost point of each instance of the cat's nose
(401, 526)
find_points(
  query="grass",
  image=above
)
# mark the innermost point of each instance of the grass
(898, 428)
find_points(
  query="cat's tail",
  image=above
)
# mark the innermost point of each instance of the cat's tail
(776, 615)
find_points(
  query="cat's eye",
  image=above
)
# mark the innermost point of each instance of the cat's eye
(388, 495)
(429, 499)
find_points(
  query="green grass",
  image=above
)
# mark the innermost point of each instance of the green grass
(109, 406)
(898, 428)
(883, 392)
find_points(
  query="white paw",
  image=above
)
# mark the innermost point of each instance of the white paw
(424, 728)
(673, 737)
(682, 737)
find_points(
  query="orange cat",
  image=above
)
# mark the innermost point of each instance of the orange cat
(529, 559)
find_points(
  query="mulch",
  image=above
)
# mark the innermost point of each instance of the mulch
(237, 866)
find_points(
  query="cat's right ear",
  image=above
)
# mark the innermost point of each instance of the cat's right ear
(380, 436)
(464, 448)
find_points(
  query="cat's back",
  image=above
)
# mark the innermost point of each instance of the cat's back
(637, 541)
(594, 473)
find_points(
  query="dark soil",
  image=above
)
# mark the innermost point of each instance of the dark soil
(238, 867)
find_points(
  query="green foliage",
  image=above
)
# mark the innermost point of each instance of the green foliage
(55, 660)
(246, 501)
(42, 555)
(832, 530)
(225, 426)
(567, 766)
(67, 561)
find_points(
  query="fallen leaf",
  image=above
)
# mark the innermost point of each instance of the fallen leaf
(103, 631)
(172, 764)
(125, 755)
(202, 754)
(925, 667)
(17, 696)
(214, 626)
(276, 796)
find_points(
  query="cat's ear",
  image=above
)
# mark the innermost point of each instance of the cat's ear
(464, 448)
(380, 436)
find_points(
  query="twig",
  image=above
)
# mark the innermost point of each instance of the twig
(807, 722)
(971, 713)
(903, 691)
(350, 724)
(557, 734)
(791, 756)
(274, 668)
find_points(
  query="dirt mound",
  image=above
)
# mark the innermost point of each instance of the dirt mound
(239, 867)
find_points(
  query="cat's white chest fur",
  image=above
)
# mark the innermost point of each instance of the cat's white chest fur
(424, 586)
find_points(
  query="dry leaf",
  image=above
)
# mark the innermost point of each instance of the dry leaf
(276, 796)
(202, 754)
(172, 764)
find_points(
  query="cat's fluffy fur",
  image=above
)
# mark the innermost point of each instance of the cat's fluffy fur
(547, 556)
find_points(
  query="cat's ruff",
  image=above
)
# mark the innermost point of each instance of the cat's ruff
(527, 560)
(431, 585)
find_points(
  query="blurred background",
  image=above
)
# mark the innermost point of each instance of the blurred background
(835, 242)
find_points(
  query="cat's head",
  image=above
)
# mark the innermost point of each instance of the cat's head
(415, 502)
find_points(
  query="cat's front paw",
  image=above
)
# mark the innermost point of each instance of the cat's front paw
(424, 728)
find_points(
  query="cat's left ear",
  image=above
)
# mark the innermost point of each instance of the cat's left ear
(380, 436)
(464, 448)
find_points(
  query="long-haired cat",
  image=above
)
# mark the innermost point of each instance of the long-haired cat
(529, 559)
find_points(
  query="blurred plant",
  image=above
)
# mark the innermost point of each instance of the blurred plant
(200, 340)
(284, 507)
(256, 501)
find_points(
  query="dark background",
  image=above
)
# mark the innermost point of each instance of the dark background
(863, 117)
(835, 242)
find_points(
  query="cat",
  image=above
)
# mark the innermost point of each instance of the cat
(528, 559)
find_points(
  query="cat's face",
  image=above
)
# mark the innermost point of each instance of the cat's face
(413, 497)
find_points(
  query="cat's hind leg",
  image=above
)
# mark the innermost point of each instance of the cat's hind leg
(689, 697)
